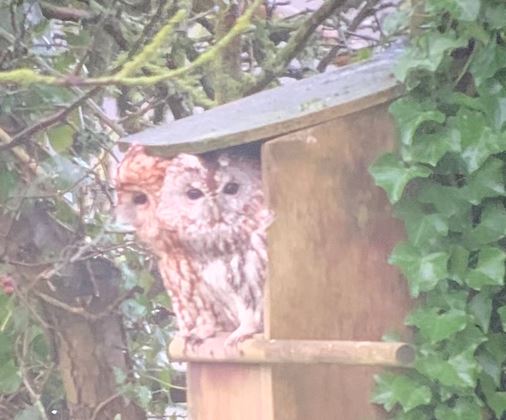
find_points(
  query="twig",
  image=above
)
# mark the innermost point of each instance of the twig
(28, 76)
(101, 406)
(76, 310)
(35, 396)
(47, 122)
(294, 45)
(22, 156)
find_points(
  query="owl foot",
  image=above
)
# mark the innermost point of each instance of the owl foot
(239, 335)
(191, 343)
(196, 337)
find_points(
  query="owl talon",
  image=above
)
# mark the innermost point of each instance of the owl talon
(191, 343)
(238, 336)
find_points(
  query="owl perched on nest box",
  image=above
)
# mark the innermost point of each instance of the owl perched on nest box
(214, 205)
(209, 231)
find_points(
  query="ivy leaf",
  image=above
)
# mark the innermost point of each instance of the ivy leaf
(446, 200)
(426, 229)
(135, 309)
(61, 137)
(430, 148)
(493, 102)
(395, 21)
(10, 379)
(495, 400)
(470, 339)
(477, 140)
(481, 308)
(490, 269)
(459, 261)
(435, 326)
(496, 345)
(143, 394)
(422, 271)
(487, 61)
(410, 115)
(29, 413)
(465, 10)
(502, 315)
(462, 409)
(490, 365)
(495, 14)
(390, 174)
(447, 298)
(6, 348)
(432, 48)
(460, 371)
(419, 413)
(491, 228)
(145, 280)
(400, 389)
(487, 181)
(468, 9)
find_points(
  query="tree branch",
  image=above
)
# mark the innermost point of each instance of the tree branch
(276, 65)
(28, 76)
(47, 122)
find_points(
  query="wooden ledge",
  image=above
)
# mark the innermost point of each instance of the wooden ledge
(262, 351)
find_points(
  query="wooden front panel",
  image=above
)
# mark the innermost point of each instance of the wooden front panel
(219, 391)
(328, 250)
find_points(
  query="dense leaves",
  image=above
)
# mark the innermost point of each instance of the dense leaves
(74, 77)
(447, 183)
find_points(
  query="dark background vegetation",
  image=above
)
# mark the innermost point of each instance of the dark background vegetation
(84, 321)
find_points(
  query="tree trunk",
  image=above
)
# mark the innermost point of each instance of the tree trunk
(78, 303)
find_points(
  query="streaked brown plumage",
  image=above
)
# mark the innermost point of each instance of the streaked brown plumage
(213, 206)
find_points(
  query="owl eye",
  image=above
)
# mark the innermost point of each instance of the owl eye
(231, 188)
(194, 193)
(140, 198)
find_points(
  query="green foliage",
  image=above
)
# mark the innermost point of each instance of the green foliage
(447, 183)
(73, 80)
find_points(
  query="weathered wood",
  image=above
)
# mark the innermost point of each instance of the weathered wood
(278, 111)
(229, 392)
(328, 249)
(261, 351)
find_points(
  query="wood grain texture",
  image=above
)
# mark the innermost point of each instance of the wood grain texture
(229, 392)
(278, 111)
(328, 248)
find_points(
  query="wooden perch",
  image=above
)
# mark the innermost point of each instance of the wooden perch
(263, 351)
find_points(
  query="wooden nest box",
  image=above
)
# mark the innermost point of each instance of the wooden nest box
(331, 295)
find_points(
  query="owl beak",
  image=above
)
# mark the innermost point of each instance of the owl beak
(216, 214)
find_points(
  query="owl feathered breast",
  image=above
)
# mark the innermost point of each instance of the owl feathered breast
(214, 205)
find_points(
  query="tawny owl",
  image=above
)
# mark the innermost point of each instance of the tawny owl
(214, 205)
(138, 181)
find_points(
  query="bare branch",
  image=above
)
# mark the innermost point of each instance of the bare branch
(294, 45)
(47, 122)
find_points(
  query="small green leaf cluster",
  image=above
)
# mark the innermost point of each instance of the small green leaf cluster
(447, 183)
